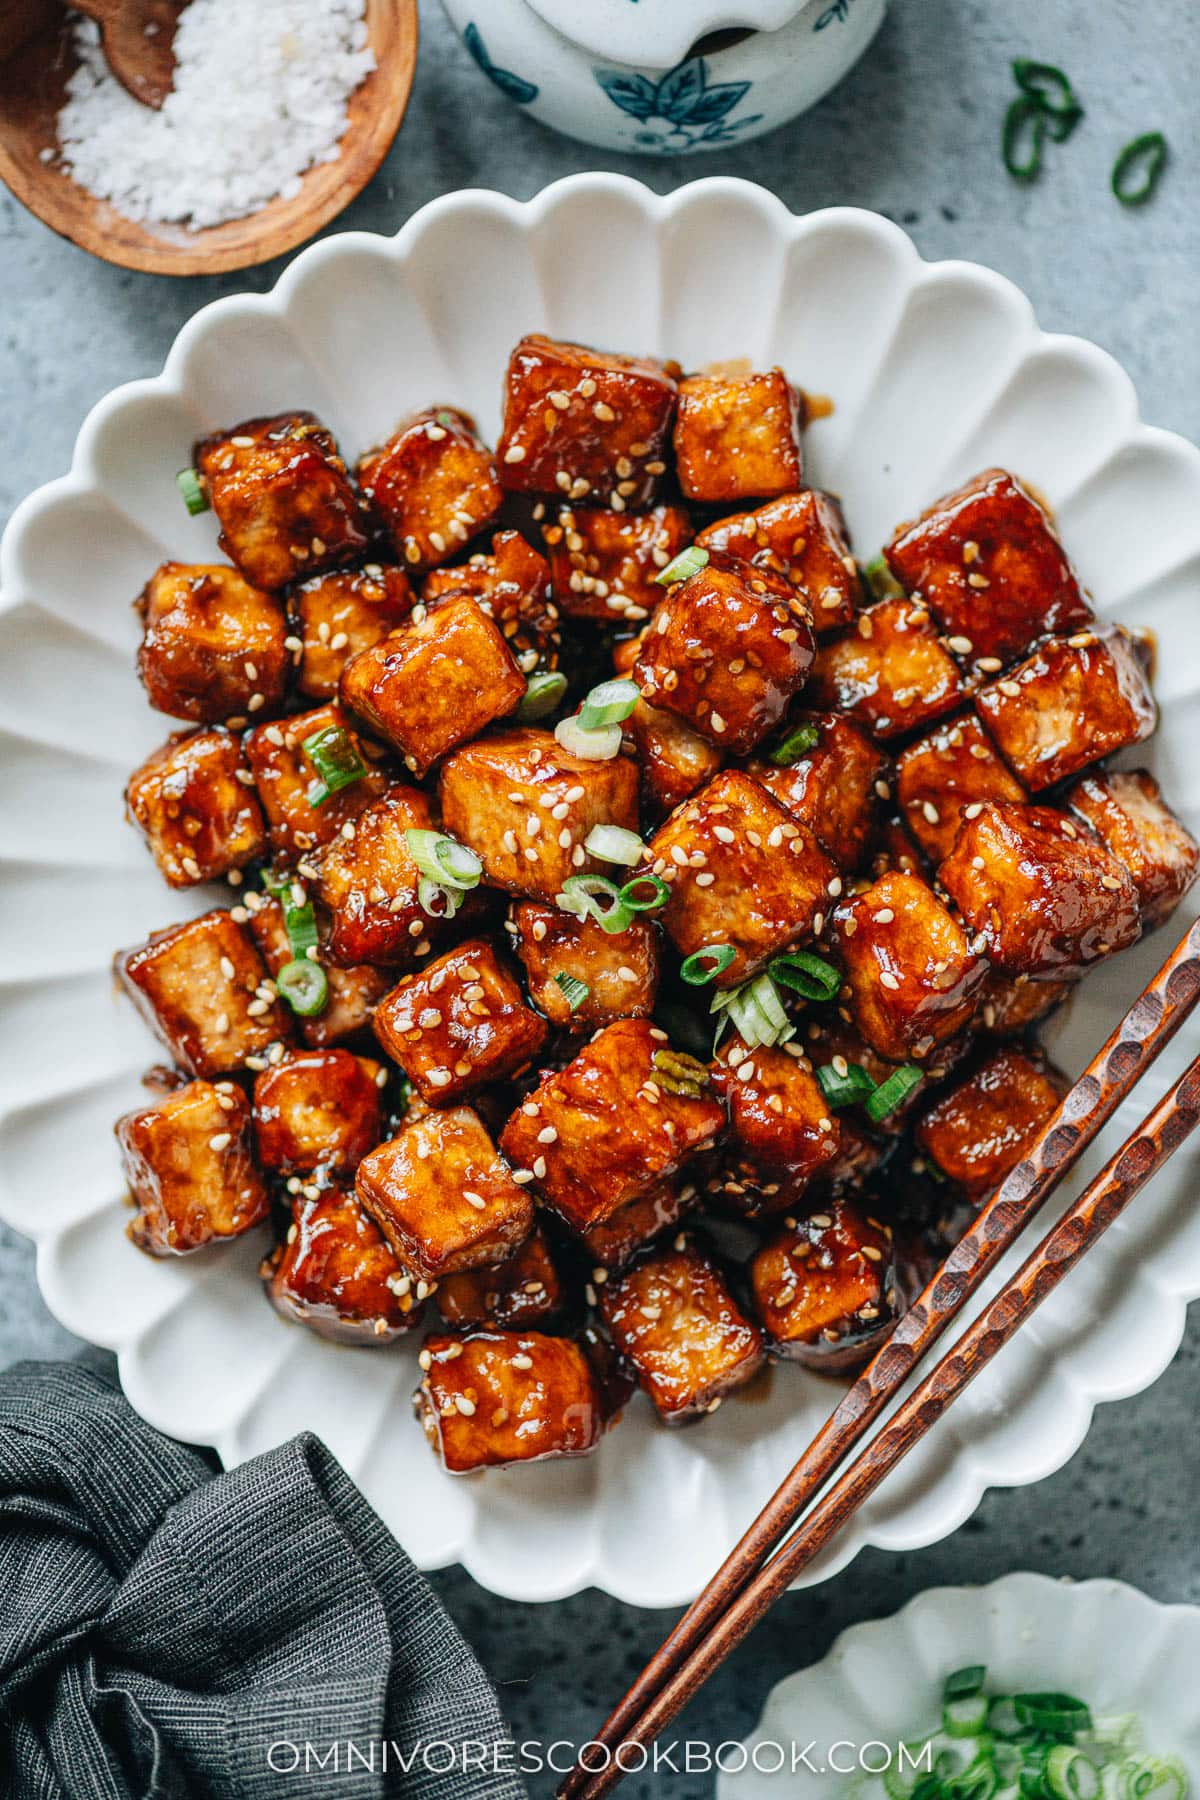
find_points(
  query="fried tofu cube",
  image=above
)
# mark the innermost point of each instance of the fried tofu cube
(979, 1131)
(285, 503)
(443, 1197)
(727, 650)
(912, 975)
(1010, 1004)
(194, 803)
(435, 683)
(353, 993)
(605, 565)
(433, 485)
(212, 646)
(1128, 814)
(673, 759)
(497, 1397)
(742, 871)
(368, 884)
(512, 586)
(525, 805)
(737, 437)
(584, 424)
(896, 848)
(340, 613)
(673, 1317)
(199, 987)
(1040, 894)
(190, 1168)
(335, 1274)
(627, 1111)
(458, 1024)
(616, 1240)
(803, 538)
(779, 1118)
(518, 1294)
(952, 769)
(892, 673)
(286, 776)
(835, 788)
(1071, 702)
(825, 1288)
(318, 1109)
(987, 563)
(619, 970)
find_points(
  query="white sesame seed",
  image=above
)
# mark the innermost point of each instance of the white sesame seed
(221, 1140)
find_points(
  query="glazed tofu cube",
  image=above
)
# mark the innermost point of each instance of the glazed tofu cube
(194, 803)
(436, 683)
(619, 970)
(912, 975)
(335, 1274)
(616, 1240)
(1073, 701)
(673, 759)
(981, 1129)
(190, 1168)
(285, 503)
(673, 1317)
(199, 986)
(318, 1109)
(825, 1288)
(1127, 812)
(726, 650)
(522, 1292)
(605, 565)
(803, 538)
(368, 884)
(626, 1112)
(1010, 1004)
(742, 872)
(301, 814)
(952, 769)
(433, 485)
(340, 613)
(1040, 894)
(737, 437)
(497, 1397)
(896, 848)
(835, 787)
(442, 1196)
(525, 806)
(779, 1118)
(512, 586)
(353, 993)
(459, 1024)
(213, 648)
(892, 673)
(584, 424)
(989, 566)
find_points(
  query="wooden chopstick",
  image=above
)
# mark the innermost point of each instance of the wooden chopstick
(1143, 1153)
(1149, 1025)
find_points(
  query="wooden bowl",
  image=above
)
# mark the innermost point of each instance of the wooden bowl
(32, 89)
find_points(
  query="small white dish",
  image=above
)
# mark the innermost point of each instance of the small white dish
(936, 370)
(1100, 1640)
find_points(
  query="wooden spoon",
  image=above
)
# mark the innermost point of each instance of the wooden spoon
(138, 39)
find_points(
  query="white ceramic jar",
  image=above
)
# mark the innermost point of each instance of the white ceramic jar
(665, 77)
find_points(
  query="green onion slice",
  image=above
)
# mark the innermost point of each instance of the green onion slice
(613, 844)
(848, 1089)
(334, 755)
(1022, 138)
(192, 491)
(688, 562)
(755, 1011)
(964, 1681)
(634, 896)
(703, 966)
(443, 860)
(794, 745)
(965, 1716)
(1070, 1775)
(1138, 169)
(807, 974)
(437, 900)
(447, 419)
(893, 1092)
(600, 745)
(595, 897)
(575, 992)
(303, 984)
(543, 692)
(1046, 84)
(608, 704)
(299, 919)
(1052, 1712)
(880, 580)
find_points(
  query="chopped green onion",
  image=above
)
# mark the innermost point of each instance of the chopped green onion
(608, 704)
(613, 844)
(595, 897)
(688, 562)
(848, 1089)
(593, 746)
(658, 896)
(1070, 1775)
(807, 974)
(303, 984)
(299, 919)
(192, 490)
(542, 695)
(703, 966)
(679, 1074)
(1023, 136)
(446, 418)
(437, 900)
(1060, 125)
(881, 581)
(893, 1092)
(1002, 1720)
(444, 860)
(756, 1012)
(1145, 157)
(964, 1681)
(1047, 85)
(575, 992)
(1052, 1712)
(966, 1715)
(334, 755)
(794, 745)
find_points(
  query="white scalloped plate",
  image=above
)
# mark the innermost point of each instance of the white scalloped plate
(936, 370)
(882, 1681)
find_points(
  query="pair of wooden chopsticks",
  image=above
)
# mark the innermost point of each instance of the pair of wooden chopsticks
(766, 1560)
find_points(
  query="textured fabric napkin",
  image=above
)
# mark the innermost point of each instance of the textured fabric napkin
(162, 1626)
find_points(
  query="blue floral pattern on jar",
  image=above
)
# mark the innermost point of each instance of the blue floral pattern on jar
(515, 86)
(693, 111)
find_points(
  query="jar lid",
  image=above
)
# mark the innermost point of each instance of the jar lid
(657, 34)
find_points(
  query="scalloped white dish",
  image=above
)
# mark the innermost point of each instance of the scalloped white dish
(882, 1680)
(936, 371)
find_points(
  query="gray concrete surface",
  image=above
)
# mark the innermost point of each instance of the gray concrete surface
(913, 132)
